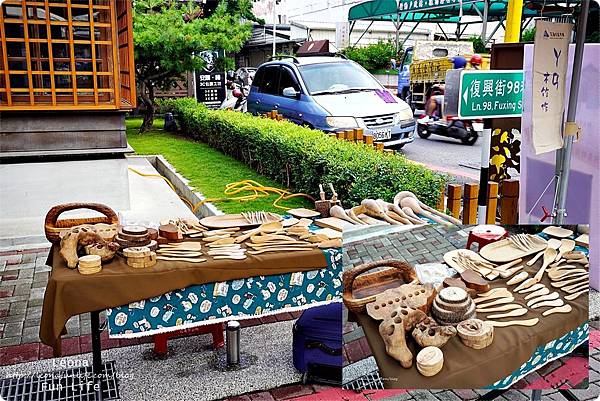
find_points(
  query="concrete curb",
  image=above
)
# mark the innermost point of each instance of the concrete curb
(182, 186)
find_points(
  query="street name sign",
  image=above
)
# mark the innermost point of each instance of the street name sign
(491, 94)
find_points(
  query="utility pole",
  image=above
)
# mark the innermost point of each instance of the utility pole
(275, 2)
(513, 21)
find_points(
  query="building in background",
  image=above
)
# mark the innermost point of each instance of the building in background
(67, 77)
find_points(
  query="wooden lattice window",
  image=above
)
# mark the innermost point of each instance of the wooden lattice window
(63, 54)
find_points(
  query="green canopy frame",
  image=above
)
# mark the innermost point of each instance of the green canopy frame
(449, 11)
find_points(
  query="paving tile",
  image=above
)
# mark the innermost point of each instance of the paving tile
(13, 329)
(8, 341)
(20, 353)
(448, 396)
(287, 392)
(466, 394)
(239, 398)
(591, 393)
(12, 259)
(423, 395)
(262, 396)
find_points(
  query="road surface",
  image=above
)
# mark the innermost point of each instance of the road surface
(447, 155)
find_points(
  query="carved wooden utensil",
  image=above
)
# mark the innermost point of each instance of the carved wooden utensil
(414, 205)
(534, 287)
(538, 293)
(556, 302)
(518, 279)
(549, 297)
(498, 294)
(559, 309)
(407, 194)
(528, 322)
(567, 245)
(497, 302)
(571, 297)
(560, 284)
(559, 274)
(512, 313)
(500, 308)
(282, 249)
(552, 243)
(576, 287)
(181, 259)
(549, 255)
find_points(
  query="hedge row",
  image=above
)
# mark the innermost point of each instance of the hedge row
(301, 158)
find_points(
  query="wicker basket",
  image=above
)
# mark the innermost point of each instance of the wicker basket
(367, 286)
(53, 227)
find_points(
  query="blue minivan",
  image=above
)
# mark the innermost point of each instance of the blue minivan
(331, 93)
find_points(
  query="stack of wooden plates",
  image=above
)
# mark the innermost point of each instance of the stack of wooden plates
(139, 257)
(453, 305)
(135, 236)
(89, 264)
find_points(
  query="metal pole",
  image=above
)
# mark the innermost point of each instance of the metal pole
(484, 20)
(96, 353)
(232, 342)
(274, 27)
(512, 32)
(484, 171)
(564, 154)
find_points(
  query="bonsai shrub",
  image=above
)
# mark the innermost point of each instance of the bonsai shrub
(300, 158)
(373, 57)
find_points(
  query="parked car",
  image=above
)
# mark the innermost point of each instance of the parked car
(331, 93)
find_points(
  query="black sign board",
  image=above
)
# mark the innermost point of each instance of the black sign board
(210, 88)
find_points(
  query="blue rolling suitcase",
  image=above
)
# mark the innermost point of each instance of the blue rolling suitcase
(317, 344)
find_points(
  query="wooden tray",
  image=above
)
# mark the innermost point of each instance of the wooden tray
(232, 220)
(503, 251)
(334, 223)
(361, 289)
(302, 212)
(557, 232)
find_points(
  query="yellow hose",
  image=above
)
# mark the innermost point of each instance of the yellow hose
(256, 190)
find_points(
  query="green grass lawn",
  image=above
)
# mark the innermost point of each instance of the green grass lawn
(207, 169)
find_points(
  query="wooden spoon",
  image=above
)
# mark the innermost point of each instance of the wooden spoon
(232, 257)
(552, 243)
(372, 208)
(496, 295)
(388, 208)
(413, 204)
(340, 213)
(268, 228)
(549, 297)
(571, 297)
(558, 274)
(538, 293)
(401, 212)
(492, 291)
(528, 323)
(534, 287)
(543, 304)
(518, 279)
(278, 250)
(181, 259)
(509, 272)
(559, 309)
(500, 308)
(409, 212)
(549, 255)
(183, 246)
(404, 194)
(567, 245)
(180, 254)
(576, 287)
(515, 312)
(500, 301)
(393, 215)
(560, 284)
(354, 212)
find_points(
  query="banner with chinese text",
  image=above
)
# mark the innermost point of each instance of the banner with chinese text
(550, 51)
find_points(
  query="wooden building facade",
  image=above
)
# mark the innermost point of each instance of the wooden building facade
(62, 59)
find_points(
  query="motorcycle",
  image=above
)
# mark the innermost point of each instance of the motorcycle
(238, 85)
(449, 126)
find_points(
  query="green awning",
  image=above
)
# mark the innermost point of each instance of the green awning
(442, 11)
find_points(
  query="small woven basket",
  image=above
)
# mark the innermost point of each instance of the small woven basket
(53, 226)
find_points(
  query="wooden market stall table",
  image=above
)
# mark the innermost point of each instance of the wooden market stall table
(515, 352)
(120, 286)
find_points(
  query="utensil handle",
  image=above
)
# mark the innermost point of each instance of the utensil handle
(535, 258)
(440, 214)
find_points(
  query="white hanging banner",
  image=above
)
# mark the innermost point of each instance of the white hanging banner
(550, 53)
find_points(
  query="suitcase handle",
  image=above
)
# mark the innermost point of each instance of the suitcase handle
(358, 305)
(324, 348)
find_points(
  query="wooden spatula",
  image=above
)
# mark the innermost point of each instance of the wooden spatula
(190, 260)
(528, 322)
(500, 308)
(559, 309)
(571, 297)
(497, 302)
(548, 297)
(512, 313)
(556, 302)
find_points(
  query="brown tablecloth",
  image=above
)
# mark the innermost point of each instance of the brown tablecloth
(465, 367)
(70, 293)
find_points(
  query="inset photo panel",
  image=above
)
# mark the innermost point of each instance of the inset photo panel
(455, 307)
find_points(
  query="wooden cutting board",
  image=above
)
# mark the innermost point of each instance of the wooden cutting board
(334, 223)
